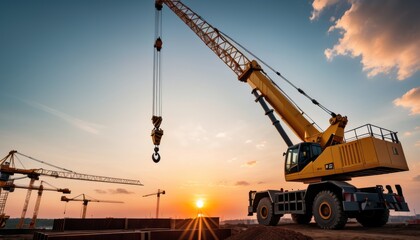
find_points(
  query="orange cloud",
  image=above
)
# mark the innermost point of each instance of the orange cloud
(250, 163)
(242, 183)
(411, 100)
(319, 5)
(100, 191)
(383, 33)
(114, 191)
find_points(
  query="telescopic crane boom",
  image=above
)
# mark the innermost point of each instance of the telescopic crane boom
(379, 152)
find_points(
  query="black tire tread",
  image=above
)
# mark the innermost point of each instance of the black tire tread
(376, 218)
(339, 217)
(272, 219)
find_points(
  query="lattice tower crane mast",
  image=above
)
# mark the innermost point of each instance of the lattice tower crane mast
(10, 186)
(158, 193)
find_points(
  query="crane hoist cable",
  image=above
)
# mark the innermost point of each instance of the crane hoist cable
(43, 162)
(157, 132)
(314, 101)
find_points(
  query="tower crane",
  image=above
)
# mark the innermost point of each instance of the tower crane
(38, 200)
(86, 201)
(324, 159)
(158, 193)
(9, 186)
(7, 169)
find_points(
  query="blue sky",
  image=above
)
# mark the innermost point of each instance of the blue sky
(76, 80)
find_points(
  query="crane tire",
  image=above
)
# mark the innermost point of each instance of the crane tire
(265, 213)
(328, 211)
(373, 218)
(302, 218)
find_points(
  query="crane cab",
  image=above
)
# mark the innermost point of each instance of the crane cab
(299, 155)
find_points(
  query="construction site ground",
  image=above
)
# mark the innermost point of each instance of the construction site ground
(285, 231)
(352, 231)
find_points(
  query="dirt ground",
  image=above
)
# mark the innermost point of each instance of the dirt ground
(352, 231)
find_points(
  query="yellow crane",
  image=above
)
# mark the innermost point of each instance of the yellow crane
(158, 193)
(324, 159)
(7, 169)
(86, 201)
(9, 186)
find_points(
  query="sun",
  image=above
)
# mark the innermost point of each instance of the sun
(199, 203)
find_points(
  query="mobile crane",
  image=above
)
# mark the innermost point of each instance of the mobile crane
(324, 160)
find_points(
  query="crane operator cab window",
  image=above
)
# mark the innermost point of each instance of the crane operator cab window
(299, 155)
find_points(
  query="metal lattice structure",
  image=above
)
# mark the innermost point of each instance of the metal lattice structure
(7, 168)
(86, 177)
(228, 53)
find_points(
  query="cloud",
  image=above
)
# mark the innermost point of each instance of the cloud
(242, 183)
(249, 164)
(113, 191)
(100, 191)
(191, 133)
(78, 123)
(261, 145)
(417, 178)
(319, 5)
(383, 33)
(120, 191)
(411, 100)
(413, 132)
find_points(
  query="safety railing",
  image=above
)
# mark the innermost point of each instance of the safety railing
(370, 130)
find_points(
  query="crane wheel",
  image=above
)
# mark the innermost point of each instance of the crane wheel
(156, 157)
(302, 218)
(373, 218)
(328, 211)
(265, 213)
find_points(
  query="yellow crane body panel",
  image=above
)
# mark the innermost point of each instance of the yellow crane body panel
(362, 157)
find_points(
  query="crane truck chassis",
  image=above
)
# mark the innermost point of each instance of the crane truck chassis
(331, 202)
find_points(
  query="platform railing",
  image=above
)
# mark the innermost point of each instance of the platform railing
(370, 130)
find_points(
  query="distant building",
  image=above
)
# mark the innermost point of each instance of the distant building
(413, 219)
(239, 221)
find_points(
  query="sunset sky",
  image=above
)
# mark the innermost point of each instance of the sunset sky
(76, 81)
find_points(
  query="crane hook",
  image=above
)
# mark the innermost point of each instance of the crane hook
(157, 134)
(156, 155)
